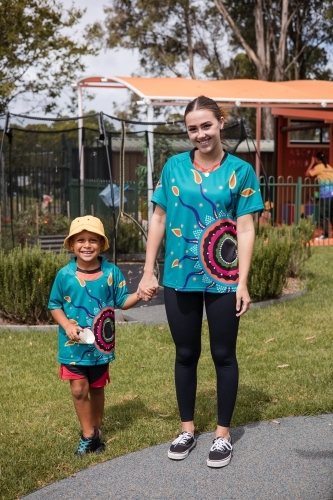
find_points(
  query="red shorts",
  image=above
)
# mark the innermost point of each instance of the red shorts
(97, 376)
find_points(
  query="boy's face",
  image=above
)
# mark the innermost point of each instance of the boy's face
(87, 247)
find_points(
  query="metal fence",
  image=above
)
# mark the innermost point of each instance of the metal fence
(40, 188)
(291, 199)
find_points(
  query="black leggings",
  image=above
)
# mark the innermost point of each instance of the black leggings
(184, 312)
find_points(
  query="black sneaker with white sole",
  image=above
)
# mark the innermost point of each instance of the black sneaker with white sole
(220, 452)
(181, 446)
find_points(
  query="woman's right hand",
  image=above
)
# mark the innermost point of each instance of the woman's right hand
(148, 281)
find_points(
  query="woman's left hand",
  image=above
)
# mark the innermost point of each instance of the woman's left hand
(243, 300)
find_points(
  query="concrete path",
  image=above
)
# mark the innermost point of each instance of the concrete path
(289, 460)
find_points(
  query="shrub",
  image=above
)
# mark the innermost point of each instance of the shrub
(129, 237)
(27, 274)
(26, 277)
(279, 253)
(269, 266)
(25, 227)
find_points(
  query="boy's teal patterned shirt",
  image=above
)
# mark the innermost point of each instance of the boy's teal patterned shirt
(89, 304)
(201, 214)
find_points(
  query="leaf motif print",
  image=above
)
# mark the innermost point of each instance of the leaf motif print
(175, 190)
(232, 180)
(247, 192)
(197, 177)
(70, 342)
(177, 232)
(81, 281)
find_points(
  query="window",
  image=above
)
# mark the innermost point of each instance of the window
(309, 132)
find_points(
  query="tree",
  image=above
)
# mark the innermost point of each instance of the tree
(290, 38)
(264, 39)
(38, 53)
(171, 35)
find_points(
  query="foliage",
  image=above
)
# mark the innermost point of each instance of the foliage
(48, 136)
(36, 54)
(136, 414)
(286, 35)
(129, 237)
(168, 35)
(190, 38)
(279, 253)
(289, 40)
(163, 150)
(269, 266)
(26, 277)
(27, 226)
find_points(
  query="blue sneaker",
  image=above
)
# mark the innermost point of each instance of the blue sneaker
(90, 445)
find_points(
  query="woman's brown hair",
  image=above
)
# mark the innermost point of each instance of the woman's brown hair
(203, 102)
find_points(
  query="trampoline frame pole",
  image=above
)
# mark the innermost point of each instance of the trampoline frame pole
(150, 159)
(81, 150)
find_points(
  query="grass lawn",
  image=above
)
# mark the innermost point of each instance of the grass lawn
(285, 358)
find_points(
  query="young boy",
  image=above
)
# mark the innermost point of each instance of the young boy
(84, 295)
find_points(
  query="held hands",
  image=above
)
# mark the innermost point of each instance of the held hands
(148, 287)
(242, 300)
(149, 292)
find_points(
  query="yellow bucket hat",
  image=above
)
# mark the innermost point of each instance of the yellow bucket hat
(87, 223)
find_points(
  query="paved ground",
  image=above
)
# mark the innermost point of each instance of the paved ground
(289, 460)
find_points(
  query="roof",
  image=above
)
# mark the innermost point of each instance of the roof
(244, 92)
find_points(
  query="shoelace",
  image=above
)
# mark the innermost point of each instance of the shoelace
(83, 444)
(221, 444)
(182, 438)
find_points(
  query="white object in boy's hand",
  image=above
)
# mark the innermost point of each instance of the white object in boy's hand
(86, 337)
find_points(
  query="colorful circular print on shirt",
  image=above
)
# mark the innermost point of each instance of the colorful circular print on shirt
(218, 251)
(103, 328)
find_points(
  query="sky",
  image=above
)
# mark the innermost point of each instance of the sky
(108, 63)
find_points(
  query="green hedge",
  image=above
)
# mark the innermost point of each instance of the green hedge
(26, 275)
(279, 253)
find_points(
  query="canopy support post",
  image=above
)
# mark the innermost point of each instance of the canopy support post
(258, 136)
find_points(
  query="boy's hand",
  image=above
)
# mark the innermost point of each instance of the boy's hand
(72, 332)
(150, 292)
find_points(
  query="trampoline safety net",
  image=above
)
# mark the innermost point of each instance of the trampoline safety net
(52, 171)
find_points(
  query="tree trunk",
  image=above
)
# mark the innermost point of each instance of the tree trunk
(262, 68)
(189, 41)
(281, 50)
(267, 124)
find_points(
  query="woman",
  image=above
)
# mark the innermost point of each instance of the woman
(204, 202)
(320, 169)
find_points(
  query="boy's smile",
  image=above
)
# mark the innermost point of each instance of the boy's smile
(87, 246)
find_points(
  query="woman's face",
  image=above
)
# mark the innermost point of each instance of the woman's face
(204, 130)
